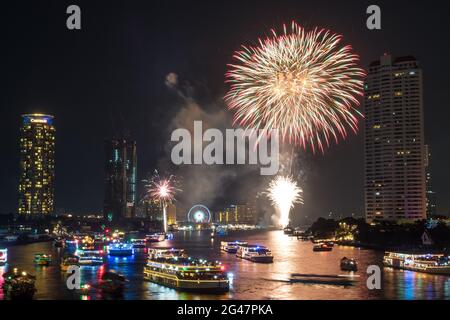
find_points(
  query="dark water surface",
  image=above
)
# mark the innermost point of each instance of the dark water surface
(249, 281)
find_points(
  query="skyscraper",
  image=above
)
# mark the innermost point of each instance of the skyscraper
(394, 141)
(120, 180)
(37, 164)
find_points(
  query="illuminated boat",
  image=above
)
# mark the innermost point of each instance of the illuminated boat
(231, 247)
(324, 279)
(427, 263)
(288, 230)
(156, 237)
(120, 249)
(89, 257)
(139, 243)
(41, 259)
(19, 285)
(3, 256)
(69, 260)
(71, 242)
(87, 243)
(348, 264)
(254, 253)
(172, 268)
(320, 247)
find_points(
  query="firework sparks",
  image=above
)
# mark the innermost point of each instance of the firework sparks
(303, 83)
(163, 190)
(284, 194)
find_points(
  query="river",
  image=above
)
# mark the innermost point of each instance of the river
(249, 280)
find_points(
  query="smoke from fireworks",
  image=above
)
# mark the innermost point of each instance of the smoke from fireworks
(303, 83)
(284, 194)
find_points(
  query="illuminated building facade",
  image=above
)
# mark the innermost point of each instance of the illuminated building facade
(120, 180)
(431, 195)
(171, 214)
(237, 214)
(395, 182)
(150, 209)
(37, 164)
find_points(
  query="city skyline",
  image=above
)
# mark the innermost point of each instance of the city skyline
(225, 158)
(149, 99)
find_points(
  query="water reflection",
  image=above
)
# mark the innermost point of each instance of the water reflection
(249, 280)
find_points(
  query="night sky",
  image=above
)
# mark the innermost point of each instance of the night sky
(108, 78)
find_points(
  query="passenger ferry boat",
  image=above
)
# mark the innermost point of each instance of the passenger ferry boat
(173, 268)
(42, 259)
(320, 247)
(288, 230)
(254, 253)
(231, 247)
(71, 242)
(90, 257)
(69, 260)
(139, 243)
(87, 243)
(3, 256)
(428, 263)
(120, 249)
(156, 237)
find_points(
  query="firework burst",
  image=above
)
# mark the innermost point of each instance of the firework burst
(305, 84)
(163, 190)
(284, 194)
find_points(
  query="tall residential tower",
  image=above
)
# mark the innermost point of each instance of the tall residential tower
(37, 164)
(120, 180)
(395, 180)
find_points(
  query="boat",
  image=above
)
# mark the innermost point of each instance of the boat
(156, 237)
(87, 243)
(11, 238)
(254, 253)
(348, 264)
(112, 283)
(41, 259)
(19, 285)
(288, 230)
(99, 242)
(419, 262)
(323, 279)
(231, 247)
(69, 260)
(120, 249)
(139, 243)
(71, 242)
(173, 268)
(3, 256)
(298, 233)
(89, 257)
(320, 247)
(330, 243)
